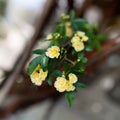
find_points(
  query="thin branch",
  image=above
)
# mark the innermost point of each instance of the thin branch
(26, 53)
(70, 61)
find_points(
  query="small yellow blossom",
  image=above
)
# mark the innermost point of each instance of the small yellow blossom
(60, 84)
(72, 78)
(75, 39)
(80, 33)
(84, 38)
(78, 60)
(64, 16)
(69, 31)
(38, 75)
(78, 39)
(53, 52)
(49, 37)
(70, 86)
(78, 46)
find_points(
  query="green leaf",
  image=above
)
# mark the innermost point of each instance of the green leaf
(57, 73)
(84, 60)
(80, 21)
(49, 80)
(100, 37)
(61, 29)
(88, 48)
(95, 26)
(44, 61)
(91, 37)
(73, 52)
(79, 24)
(64, 38)
(77, 65)
(79, 72)
(72, 15)
(80, 85)
(38, 51)
(51, 64)
(80, 55)
(53, 42)
(97, 45)
(93, 41)
(33, 64)
(70, 96)
(66, 66)
(87, 27)
(78, 69)
(75, 26)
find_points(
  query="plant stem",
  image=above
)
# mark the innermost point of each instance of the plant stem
(70, 61)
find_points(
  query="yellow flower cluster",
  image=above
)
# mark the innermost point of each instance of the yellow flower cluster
(62, 84)
(38, 75)
(78, 39)
(53, 52)
(69, 31)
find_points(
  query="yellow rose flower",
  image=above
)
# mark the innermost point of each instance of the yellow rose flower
(78, 39)
(38, 75)
(80, 33)
(78, 46)
(72, 78)
(84, 38)
(53, 52)
(60, 84)
(75, 39)
(70, 86)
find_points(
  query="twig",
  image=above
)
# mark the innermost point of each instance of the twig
(70, 61)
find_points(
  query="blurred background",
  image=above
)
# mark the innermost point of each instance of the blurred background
(23, 25)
